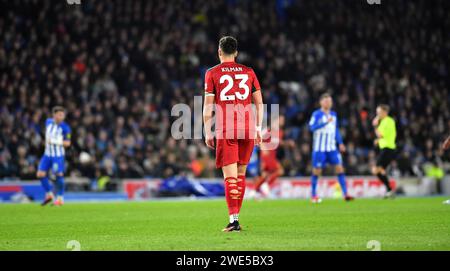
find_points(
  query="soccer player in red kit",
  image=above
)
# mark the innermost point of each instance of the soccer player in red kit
(271, 168)
(229, 90)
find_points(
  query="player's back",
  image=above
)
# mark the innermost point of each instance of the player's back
(232, 85)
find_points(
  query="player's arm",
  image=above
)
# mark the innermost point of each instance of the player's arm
(258, 100)
(378, 133)
(208, 110)
(375, 121)
(339, 139)
(66, 143)
(315, 123)
(207, 120)
(378, 137)
(67, 133)
(378, 128)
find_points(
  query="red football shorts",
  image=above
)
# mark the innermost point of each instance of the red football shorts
(229, 151)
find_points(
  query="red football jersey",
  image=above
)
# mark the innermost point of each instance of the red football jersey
(232, 84)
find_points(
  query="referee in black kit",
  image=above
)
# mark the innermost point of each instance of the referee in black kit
(386, 132)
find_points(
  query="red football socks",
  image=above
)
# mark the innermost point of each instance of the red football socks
(232, 195)
(241, 188)
(272, 177)
(258, 182)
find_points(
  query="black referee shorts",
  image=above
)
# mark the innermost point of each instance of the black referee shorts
(385, 157)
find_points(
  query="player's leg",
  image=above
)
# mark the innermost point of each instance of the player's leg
(42, 176)
(232, 196)
(273, 173)
(340, 172)
(276, 172)
(245, 150)
(318, 160)
(44, 166)
(227, 158)
(242, 169)
(335, 159)
(379, 170)
(316, 173)
(261, 179)
(60, 185)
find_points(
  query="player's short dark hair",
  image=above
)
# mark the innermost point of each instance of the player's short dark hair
(57, 109)
(385, 107)
(228, 45)
(324, 95)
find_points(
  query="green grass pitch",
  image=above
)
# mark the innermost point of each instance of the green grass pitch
(400, 224)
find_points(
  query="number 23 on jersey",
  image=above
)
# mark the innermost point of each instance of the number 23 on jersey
(230, 86)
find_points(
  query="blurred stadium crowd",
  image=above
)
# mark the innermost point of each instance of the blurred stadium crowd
(119, 66)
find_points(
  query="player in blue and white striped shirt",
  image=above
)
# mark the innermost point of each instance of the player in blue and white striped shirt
(326, 138)
(57, 137)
